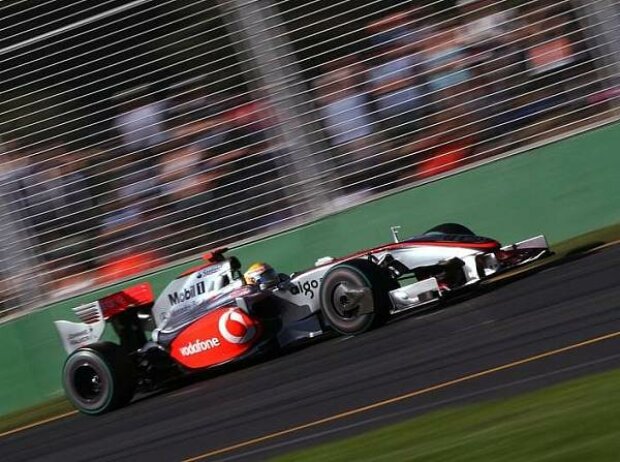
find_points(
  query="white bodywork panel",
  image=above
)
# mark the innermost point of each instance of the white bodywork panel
(78, 334)
(304, 288)
(414, 295)
(536, 242)
(186, 292)
(416, 256)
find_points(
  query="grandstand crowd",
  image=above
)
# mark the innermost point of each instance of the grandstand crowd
(188, 169)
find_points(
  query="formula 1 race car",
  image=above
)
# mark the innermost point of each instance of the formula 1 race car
(213, 314)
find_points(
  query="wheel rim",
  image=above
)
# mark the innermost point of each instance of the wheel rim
(344, 306)
(341, 302)
(88, 382)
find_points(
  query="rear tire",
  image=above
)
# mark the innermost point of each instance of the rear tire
(336, 305)
(99, 378)
(451, 228)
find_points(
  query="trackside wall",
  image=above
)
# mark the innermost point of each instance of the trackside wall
(563, 190)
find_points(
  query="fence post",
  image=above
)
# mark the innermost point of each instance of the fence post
(261, 36)
(602, 19)
(18, 263)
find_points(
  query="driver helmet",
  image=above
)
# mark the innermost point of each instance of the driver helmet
(261, 275)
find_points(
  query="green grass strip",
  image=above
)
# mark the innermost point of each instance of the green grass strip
(578, 421)
(51, 408)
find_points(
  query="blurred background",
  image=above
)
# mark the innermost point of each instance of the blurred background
(136, 134)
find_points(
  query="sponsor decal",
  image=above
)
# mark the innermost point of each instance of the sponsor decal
(187, 294)
(78, 338)
(79, 334)
(217, 337)
(234, 328)
(198, 346)
(208, 271)
(307, 288)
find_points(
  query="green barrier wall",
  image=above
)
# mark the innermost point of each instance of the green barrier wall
(563, 190)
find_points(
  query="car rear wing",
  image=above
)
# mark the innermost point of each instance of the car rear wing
(93, 315)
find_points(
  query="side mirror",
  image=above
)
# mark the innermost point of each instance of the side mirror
(235, 264)
(283, 277)
(284, 281)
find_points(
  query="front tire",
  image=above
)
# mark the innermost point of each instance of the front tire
(99, 378)
(354, 296)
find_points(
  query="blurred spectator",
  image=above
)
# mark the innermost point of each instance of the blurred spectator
(486, 25)
(15, 174)
(181, 169)
(253, 116)
(68, 269)
(195, 115)
(127, 263)
(345, 106)
(396, 84)
(141, 124)
(447, 143)
(557, 72)
(130, 263)
(27, 195)
(249, 195)
(348, 120)
(138, 183)
(412, 28)
(490, 32)
(550, 52)
(141, 120)
(186, 184)
(52, 193)
(79, 213)
(206, 118)
(54, 204)
(121, 214)
(447, 61)
(128, 242)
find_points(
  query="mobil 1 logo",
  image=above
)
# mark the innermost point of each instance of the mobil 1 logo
(187, 293)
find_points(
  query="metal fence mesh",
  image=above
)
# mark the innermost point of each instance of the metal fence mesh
(135, 134)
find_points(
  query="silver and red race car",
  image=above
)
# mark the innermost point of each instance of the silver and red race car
(214, 315)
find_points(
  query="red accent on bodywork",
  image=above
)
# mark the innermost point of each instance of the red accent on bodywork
(489, 246)
(512, 257)
(216, 255)
(218, 337)
(140, 295)
(212, 257)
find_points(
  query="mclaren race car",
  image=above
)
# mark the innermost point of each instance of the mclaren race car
(214, 314)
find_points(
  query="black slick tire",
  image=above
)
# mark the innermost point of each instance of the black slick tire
(357, 275)
(99, 378)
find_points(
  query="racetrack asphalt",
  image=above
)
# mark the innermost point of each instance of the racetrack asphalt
(559, 323)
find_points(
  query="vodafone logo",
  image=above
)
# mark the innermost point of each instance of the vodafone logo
(234, 327)
(198, 346)
(220, 336)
